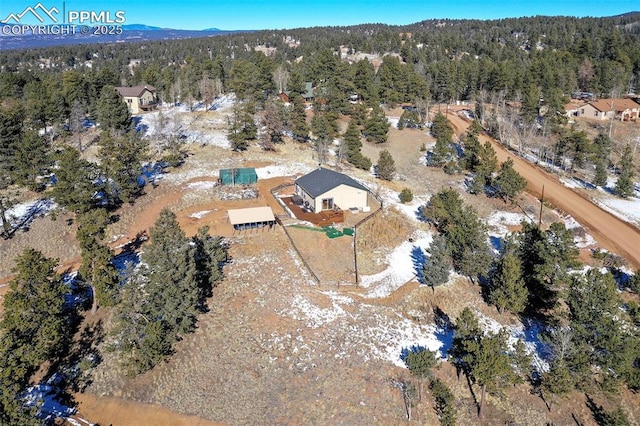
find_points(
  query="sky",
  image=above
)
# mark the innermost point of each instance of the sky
(274, 14)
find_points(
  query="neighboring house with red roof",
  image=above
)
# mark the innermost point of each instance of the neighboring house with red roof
(573, 108)
(139, 98)
(605, 109)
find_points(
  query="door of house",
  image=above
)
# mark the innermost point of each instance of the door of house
(327, 204)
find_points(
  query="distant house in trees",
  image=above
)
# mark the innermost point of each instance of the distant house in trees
(308, 92)
(284, 97)
(605, 109)
(573, 108)
(324, 189)
(139, 98)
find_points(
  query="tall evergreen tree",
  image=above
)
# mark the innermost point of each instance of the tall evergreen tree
(376, 127)
(34, 328)
(273, 121)
(162, 300)
(386, 166)
(442, 130)
(509, 183)
(602, 147)
(491, 367)
(297, 122)
(624, 184)
(78, 182)
(97, 269)
(507, 289)
(437, 268)
(546, 257)
(12, 117)
(121, 159)
(31, 159)
(112, 112)
(242, 126)
(353, 144)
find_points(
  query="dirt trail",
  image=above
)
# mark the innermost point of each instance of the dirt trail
(611, 232)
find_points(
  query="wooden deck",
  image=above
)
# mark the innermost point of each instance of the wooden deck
(324, 218)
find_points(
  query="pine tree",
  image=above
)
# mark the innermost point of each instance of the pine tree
(442, 130)
(420, 363)
(602, 145)
(509, 183)
(546, 258)
(297, 123)
(31, 159)
(121, 158)
(161, 301)
(624, 185)
(376, 127)
(34, 328)
(464, 232)
(491, 366)
(466, 337)
(352, 140)
(242, 127)
(211, 254)
(445, 402)
(77, 182)
(113, 113)
(507, 289)
(557, 382)
(323, 135)
(12, 117)
(386, 166)
(97, 269)
(273, 121)
(437, 268)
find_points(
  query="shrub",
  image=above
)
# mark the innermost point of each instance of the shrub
(406, 196)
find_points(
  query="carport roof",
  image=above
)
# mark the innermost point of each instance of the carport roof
(251, 215)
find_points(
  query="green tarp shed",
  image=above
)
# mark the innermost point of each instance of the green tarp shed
(242, 176)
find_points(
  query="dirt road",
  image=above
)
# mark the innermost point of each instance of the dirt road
(611, 232)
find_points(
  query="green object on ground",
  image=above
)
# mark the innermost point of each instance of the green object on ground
(240, 176)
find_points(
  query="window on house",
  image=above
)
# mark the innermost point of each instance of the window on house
(327, 203)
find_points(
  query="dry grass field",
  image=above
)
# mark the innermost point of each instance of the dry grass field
(276, 347)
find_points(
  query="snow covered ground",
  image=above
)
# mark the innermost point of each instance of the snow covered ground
(403, 266)
(178, 121)
(626, 209)
(21, 215)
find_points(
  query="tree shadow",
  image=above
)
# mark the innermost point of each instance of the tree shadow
(598, 412)
(444, 330)
(419, 259)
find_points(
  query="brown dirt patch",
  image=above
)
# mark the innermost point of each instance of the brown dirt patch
(121, 412)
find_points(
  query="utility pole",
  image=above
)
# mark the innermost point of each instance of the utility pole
(541, 206)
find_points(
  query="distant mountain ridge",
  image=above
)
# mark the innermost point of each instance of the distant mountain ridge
(130, 33)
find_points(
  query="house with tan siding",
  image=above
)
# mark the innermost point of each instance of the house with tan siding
(605, 109)
(138, 98)
(324, 189)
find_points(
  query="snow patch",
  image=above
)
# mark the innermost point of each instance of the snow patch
(283, 170)
(401, 267)
(202, 185)
(21, 215)
(201, 214)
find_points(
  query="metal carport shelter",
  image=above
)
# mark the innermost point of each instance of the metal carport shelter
(251, 218)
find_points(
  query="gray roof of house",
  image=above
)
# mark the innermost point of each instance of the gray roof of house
(322, 180)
